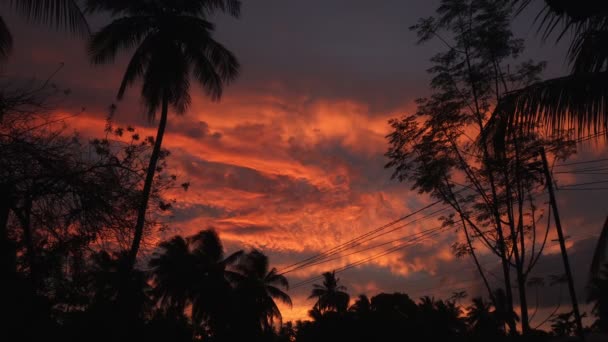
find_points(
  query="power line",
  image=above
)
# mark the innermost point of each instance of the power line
(322, 259)
(376, 256)
(583, 162)
(370, 248)
(589, 169)
(582, 184)
(361, 261)
(355, 241)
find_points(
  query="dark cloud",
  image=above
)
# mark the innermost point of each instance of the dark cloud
(247, 230)
(186, 212)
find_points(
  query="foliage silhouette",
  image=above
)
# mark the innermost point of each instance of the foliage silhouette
(257, 288)
(193, 272)
(491, 185)
(574, 101)
(172, 40)
(331, 296)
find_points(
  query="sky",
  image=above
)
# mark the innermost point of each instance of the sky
(291, 160)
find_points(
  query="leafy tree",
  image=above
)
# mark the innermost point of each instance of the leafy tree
(172, 40)
(443, 148)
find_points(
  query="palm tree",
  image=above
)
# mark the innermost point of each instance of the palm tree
(194, 271)
(330, 295)
(482, 320)
(577, 100)
(173, 268)
(172, 40)
(259, 287)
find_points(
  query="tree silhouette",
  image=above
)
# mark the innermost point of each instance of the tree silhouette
(331, 296)
(193, 272)
(490, 185)
(256, 292)
(172, 40)
(483, 321)
(362, 306)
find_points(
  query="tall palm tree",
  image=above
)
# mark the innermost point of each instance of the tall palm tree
(194, 272)
(331, 296)
(172, 40)
(578, 100)
(259, 287)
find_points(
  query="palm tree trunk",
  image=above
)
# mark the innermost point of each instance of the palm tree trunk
(141, 215)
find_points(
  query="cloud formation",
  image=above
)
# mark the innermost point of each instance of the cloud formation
(291, 160)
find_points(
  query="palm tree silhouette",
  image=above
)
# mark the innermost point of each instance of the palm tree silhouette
(578, 98)
(259, 287)
(194, 271)
(330, 295)
(482, 320)
(172, 40)
(172, 271)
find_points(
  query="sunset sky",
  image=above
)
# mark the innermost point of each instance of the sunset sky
(291, 161)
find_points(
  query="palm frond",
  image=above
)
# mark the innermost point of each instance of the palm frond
(232, 7)
(112, 6)
(589, 52)
(578, 101)
(137, 64)
(207, 242)
(317, 293)
(280, 295)
(233, 258)
(6, 40)
(63, 15)
(122, 33)
(213, 66)
(274, 278)
(601, 250)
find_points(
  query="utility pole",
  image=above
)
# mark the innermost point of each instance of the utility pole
(562, 245)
